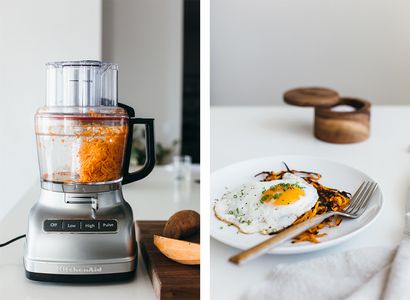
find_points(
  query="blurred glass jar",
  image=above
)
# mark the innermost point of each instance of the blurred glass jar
(182, 167)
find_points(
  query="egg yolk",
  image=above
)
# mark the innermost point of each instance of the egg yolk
(282, 194)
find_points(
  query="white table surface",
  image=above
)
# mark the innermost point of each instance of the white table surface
(154, 198)
(241, 133)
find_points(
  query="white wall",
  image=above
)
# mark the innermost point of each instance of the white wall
(145, 38)
(261, 48)
(31, 34)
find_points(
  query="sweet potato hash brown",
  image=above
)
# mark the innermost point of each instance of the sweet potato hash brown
(329, 200)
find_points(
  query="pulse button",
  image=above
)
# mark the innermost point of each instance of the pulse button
(108, 225)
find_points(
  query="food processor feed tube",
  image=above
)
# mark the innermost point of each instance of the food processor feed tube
(81, 228)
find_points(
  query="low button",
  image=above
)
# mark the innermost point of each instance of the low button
(89, 225)
(53, 225)
(71, 225)
(108, 225)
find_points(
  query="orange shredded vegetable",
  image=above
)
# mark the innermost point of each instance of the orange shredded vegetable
(101, 153)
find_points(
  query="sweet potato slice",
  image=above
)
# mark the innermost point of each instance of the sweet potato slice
(180, 251)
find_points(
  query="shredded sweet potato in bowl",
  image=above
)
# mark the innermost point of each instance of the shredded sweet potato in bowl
(329, 200)
(101, 152)
(82, 147)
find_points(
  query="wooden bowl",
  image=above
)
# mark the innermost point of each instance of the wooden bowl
(342, 127)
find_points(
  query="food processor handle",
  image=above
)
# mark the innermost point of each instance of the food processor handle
(150, 147)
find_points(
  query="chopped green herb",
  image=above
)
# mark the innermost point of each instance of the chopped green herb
(264, 198)
(286, 186)
(276, 196)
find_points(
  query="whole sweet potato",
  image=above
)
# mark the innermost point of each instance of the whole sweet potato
(182, 224)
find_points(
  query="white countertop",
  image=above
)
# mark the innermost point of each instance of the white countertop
(241, 133)
(153, 198)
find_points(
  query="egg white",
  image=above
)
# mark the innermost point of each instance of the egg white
(242, 207)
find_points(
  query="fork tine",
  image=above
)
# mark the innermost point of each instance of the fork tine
(356, 194)
(359, 200)
(354, 201)
(362, 200)
(366, 200)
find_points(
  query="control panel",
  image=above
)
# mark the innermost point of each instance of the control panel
(109, 226)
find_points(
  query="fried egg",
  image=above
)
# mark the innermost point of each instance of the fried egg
(266, 207)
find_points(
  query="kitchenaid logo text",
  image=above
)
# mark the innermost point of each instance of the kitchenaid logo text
(66, 269)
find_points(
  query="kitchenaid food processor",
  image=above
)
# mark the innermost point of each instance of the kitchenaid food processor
(81, 229)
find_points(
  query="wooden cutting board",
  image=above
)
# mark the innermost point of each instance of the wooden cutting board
(170, 280)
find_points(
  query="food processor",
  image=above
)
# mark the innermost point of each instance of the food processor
(81, 229)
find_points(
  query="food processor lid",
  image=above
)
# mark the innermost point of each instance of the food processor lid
(85, 83)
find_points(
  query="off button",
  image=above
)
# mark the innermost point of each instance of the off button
(53, 225)
(108, 225)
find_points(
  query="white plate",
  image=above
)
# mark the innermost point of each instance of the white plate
(334, 175)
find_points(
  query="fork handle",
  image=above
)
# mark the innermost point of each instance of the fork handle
(278, 239)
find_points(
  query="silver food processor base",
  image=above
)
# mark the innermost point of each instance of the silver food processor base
(87, 273)
(83, 237)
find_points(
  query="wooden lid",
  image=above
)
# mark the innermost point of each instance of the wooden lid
(312, 96)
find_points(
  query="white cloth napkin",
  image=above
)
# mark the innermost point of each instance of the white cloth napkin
(369, 273)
